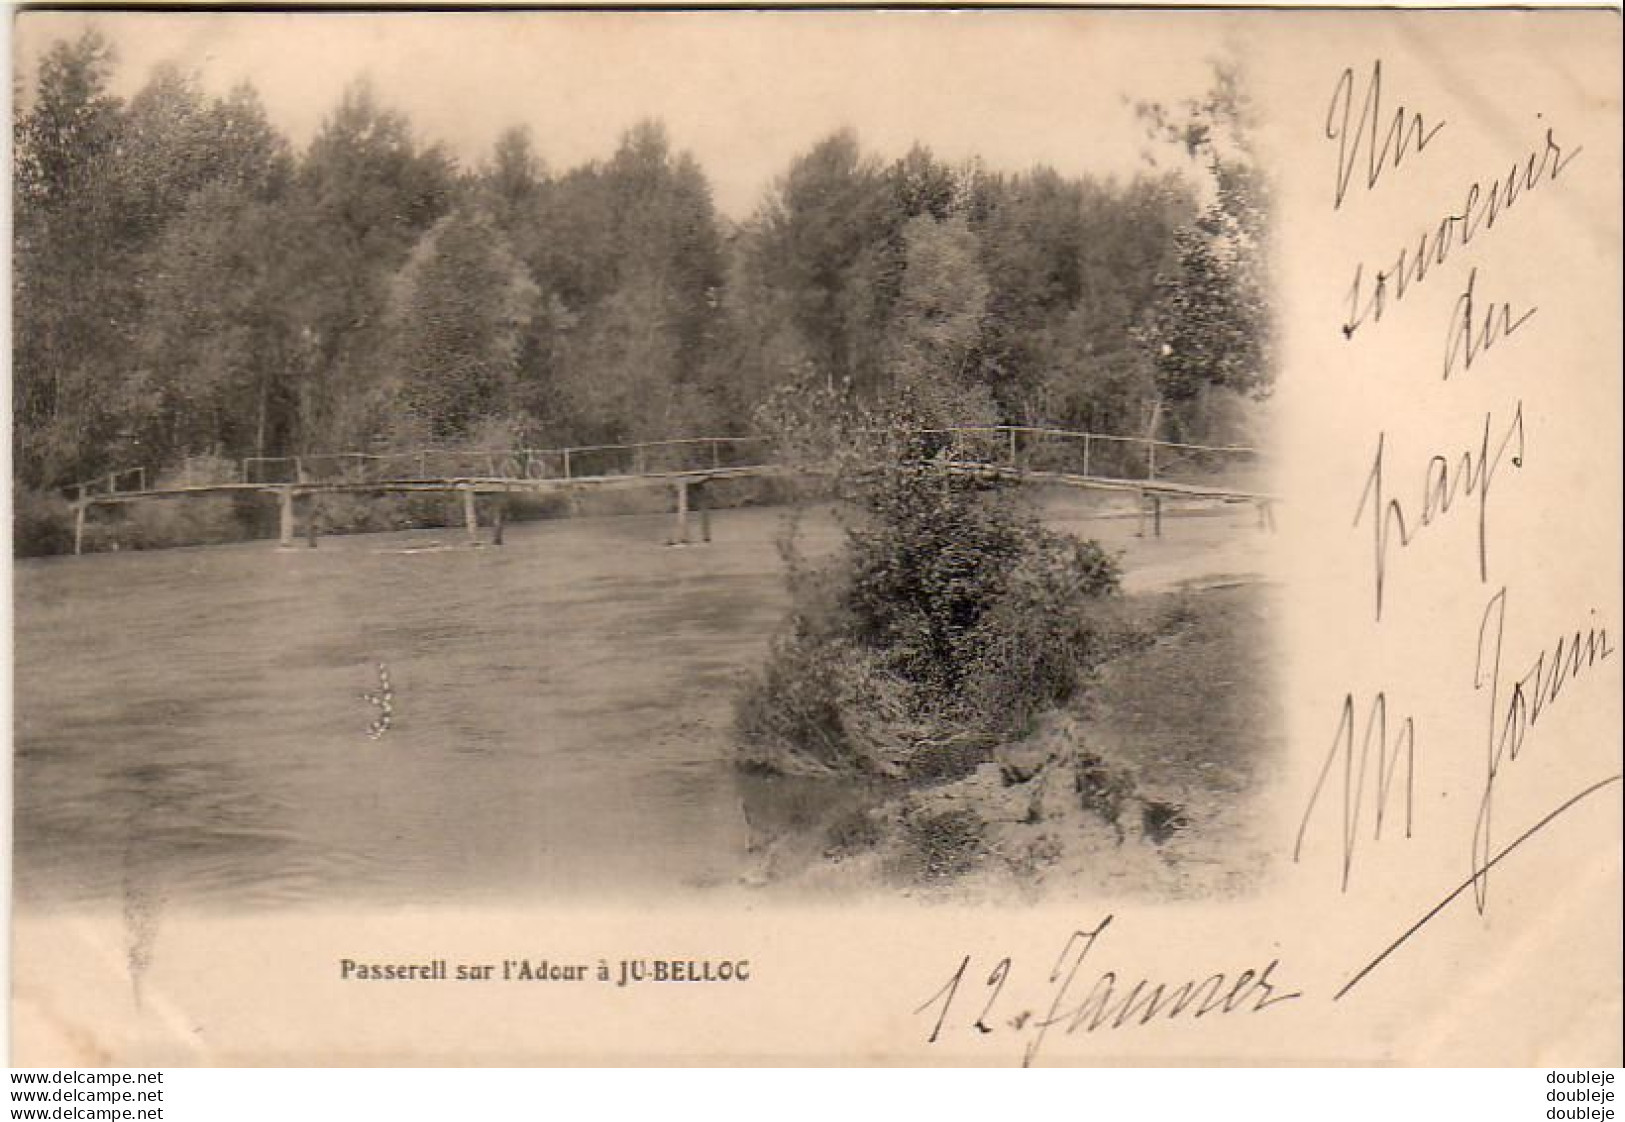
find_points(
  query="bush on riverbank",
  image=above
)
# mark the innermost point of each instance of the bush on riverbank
(41, 523)
(950, 621)
(1143, 785)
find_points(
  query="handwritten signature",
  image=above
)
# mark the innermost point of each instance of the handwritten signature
(1513, 715)
(1514, 710)
(1388, 754)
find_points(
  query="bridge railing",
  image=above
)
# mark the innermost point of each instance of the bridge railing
(655, 457)
(1035, 448)
(577, 462)
(1024, 447)
(113, 483)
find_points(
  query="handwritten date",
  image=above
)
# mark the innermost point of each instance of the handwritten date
(1111, 1002)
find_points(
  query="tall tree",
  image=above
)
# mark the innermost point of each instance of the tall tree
(212, 353)
(71, 307)
(458, 318)
(819, 239)
(757, 345)
(364, 195)
(1032, 245)
(219, 351)
(634, 256)
(512, 181)
(1211, 327)
(667, 235)
(110, 282)
(66, 134)
(937, 323)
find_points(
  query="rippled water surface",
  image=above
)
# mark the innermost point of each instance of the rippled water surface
(190, 723)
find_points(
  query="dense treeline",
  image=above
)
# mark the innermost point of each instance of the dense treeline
(189, 286)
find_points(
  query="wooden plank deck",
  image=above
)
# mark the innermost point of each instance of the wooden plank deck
(479, 484)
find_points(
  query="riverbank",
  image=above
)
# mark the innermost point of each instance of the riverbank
(1146, 786)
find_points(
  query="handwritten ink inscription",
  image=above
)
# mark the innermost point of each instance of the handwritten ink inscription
(1059, 1002)
(1444, 480)
(1377, 755)
(1514, 713)
(1407, 132)
(1483, 202)
(1355, 768)
(1468, 336)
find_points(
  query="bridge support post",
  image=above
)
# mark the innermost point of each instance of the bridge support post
(79, 528)
(471, 516)
(285, 520)
(1150, 504)
(681, 537)
(310, 521)
(703, 506)
(499, 515)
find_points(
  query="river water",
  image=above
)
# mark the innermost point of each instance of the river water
(190, 724)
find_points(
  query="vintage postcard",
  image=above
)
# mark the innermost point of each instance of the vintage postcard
(979, 537)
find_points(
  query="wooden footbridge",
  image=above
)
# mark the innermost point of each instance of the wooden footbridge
(1152, 470)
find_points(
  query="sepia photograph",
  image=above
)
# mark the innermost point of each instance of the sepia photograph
(551, 509)
(484, 474)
